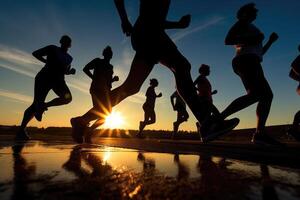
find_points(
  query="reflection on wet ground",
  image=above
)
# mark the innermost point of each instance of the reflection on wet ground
(38, 170)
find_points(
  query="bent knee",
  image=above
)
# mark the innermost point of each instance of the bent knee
(267, 96)
(67, 98)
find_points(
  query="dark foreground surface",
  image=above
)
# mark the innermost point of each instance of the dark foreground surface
(118, 168)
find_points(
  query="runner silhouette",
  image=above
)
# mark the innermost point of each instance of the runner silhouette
(51, 77)
(248, 41)
(182, 115)
(295, 74)
(102, 78)
(153, 45)
(148, 106)
(204, 91)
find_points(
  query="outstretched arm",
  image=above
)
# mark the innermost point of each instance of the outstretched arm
(41, 53)
(126, 25)
(184, 22)
(272, 39)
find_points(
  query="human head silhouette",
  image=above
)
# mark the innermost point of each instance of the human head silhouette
(107, 52)
(204, 70)
(65, 42)
(247, 13)
(154, 82)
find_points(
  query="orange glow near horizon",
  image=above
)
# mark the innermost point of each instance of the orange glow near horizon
(114, 120)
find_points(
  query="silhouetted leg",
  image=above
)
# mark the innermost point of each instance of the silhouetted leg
(182, 116)
(63, 93)
(296, 121)
(97, 123)
(263, 108)
(215, 110)
(151, 118)
(28, 116)
(180, 66)
(139, 71)
(249, 70)
(294, 129)
(239, 104)
(40, 92)
(144, 123)
(101, 109)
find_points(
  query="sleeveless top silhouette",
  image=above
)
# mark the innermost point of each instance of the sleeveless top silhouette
(102, 75)
(204, 88)
(150, 100)
(248, 30)
(58, 61)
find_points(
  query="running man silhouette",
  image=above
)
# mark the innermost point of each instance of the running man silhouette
(148, 106)
(102, 78)
(295, 74)
(153, 45)
(51, 77)
(204, 91)
(248, 41)
(182, 115)
(203, 85)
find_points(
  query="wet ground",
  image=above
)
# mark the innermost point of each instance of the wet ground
(61, 170)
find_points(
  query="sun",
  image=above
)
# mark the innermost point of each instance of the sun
(114, 120)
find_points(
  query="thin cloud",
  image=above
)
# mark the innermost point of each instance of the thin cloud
(18, 70)
(15, 96)
(182, 34)
(17, 56)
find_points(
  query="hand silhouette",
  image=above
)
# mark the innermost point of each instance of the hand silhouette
(184, 22)
(127, 27)
(115, 78)
(72, 71)
(214, 92)
(273, 37)
(159, 95)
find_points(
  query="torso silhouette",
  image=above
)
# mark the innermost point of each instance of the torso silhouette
(151, 97)
(148, 36)
(246, 47)
(204, 87)
(296, 64)
(152, 14)
(102, 75)
(58, 61)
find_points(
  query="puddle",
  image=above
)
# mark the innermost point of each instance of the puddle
(38, 170)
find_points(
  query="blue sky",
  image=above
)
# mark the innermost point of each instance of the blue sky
(32, 24)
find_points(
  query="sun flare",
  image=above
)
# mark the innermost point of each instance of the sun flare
(114, 120)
